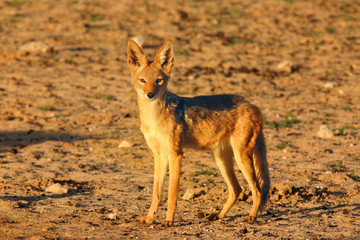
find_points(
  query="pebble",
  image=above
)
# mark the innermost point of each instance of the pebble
(243, 196)
(283, 189)
(325, 132)
(56, 189)
(112, 216)
(200, 215)
(284, 66)
(125, 144)
(22, 204)
(140, 40)
(189, 194)
(329, 85)
(35, 47)
(243, 230)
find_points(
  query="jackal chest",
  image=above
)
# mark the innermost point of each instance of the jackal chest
(155, 137)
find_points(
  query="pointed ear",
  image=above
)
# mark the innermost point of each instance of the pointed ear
(136, 57)
(165, 57)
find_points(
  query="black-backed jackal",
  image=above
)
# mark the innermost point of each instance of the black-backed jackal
(225, 124)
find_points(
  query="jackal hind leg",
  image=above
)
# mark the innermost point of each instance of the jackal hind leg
(223, 157)
(244, 159)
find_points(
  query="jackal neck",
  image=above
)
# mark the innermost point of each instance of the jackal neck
(150, 110)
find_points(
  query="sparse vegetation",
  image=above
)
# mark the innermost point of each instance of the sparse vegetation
(283, 145)
(16, 3)
(340, 131)
(346, 108)
(289, 1)
(96, 26)
(236, 40)
(95, 17)
(119, 131)
(354, 177)
(182, 52)
(210, 171)
(106, 96)
(288, 121)
(330, 30)
(351, 38)
(115, 132)
(47, 108)
(228, 60)
(237, 12)
(337, 167)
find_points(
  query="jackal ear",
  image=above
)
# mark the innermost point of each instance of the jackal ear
(136, 58)
(165, 57)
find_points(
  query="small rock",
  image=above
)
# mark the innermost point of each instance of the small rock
(328, 150)
(325, 132)
(353, 68)
(35, 47)
(56, 189)
(13, 150)
(243, 196)
(139, 40)
(283, 189)
(22, 204)
(125, 144)
(329, 85)
(200, 215)
(112, 216)
(285, 67)
(189, 194)
(243, 230)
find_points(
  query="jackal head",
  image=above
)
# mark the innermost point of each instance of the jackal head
(150, 78)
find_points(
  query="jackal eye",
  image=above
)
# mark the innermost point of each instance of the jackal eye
(142, 80)
(159, 81)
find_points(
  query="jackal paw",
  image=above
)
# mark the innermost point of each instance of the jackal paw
(167, 223)
(213, 217)
(249, 219)
(146, 219)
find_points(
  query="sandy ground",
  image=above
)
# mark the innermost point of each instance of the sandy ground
(69, 117)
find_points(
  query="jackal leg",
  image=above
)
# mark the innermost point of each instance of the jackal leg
(160, 169)
(244, 159)
(175, 169)
(224, 160)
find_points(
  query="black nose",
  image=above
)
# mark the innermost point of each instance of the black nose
(151, 95)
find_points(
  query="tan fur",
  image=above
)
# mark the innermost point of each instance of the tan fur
(225, 124)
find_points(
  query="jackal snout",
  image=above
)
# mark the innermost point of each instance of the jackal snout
(151, 95)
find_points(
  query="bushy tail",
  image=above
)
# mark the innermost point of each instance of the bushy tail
(261, 170)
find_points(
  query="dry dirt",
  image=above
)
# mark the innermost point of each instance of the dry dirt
(68, 116)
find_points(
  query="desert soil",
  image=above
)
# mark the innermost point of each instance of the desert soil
(69, 117)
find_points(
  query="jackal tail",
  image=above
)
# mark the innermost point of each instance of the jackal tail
(261, 170)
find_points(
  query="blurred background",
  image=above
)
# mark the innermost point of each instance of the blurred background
(68, 112)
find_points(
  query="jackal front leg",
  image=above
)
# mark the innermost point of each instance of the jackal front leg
(160, 169)
(175, 169)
